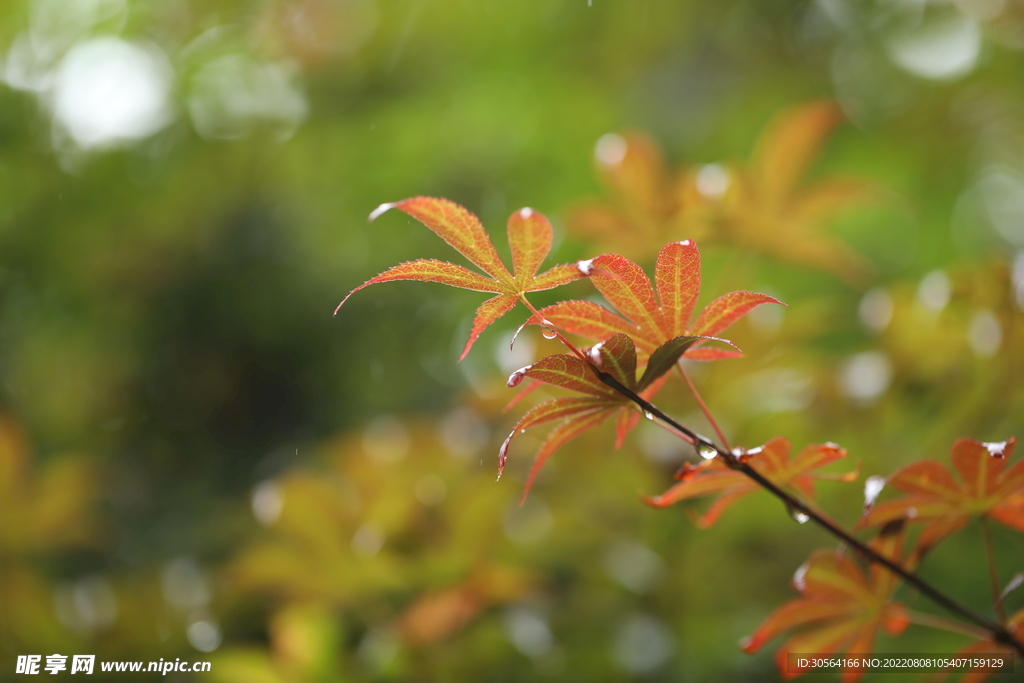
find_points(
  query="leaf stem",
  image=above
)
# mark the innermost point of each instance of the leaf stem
(946, 624)
(703, 406)
(558, 335)
(997, 631)
(993, 570)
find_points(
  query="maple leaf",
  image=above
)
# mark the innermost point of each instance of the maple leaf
(843, 606)
(615, 356)
(713, 477)
(944, 505)
(652, 318)
(646, 205)
(769, 209)
(763, 205)
(529, 236)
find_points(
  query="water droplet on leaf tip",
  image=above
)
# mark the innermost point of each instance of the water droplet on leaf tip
(380, 209)
(707, 451)
(516, 377)
(585, 266)
(525, 212)
(996, 449)
(649, 415)
(800, 577)
(872, 487)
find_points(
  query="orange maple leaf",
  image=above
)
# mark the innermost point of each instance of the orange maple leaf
(843, 606)
(944, 505)
(652, 317)
(615, 356)
(529, 236)
(764, 205)
(714, 478)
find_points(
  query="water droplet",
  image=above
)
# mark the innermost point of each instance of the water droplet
(585, 266)
(707, 451)
(525, 212)
(379, 210)
(516, 377)
(872, 487)
(649, 415)
(799, 516)
(548, 332)
(800, 577)
(996, 449)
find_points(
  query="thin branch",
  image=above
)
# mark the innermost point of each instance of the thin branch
(997, 631)
(703, 407)
(703, 444)
(993, 570)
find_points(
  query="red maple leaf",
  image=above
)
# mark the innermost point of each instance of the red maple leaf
(615, 356)
(842, 606)
(529, 236)
(944, 505)
(652, 318)
(713, 477)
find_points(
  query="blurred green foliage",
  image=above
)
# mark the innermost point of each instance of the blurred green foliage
(214, 463)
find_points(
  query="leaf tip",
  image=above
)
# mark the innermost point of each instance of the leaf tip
(503, 454)
(386, 206)
(872, 488)
(657, 502)
(343, 302)
(998, 449)
(516, 377)
(586, 266)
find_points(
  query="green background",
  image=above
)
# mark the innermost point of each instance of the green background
(167, 344)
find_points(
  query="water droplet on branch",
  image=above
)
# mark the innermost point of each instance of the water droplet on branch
(707, 451)
(798, 515)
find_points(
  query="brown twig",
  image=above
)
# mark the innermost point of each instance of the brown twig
(997, 631)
